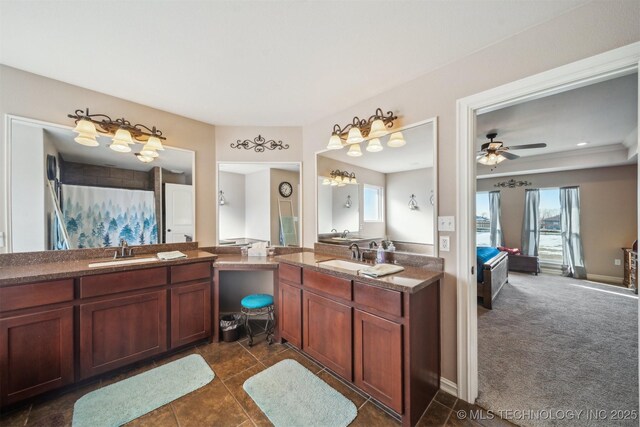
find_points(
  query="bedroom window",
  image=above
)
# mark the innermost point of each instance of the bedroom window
(373, 203)
(550, 245)
(483, 221)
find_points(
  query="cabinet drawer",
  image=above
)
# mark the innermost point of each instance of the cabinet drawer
(35, 294)
(290, 273)
(384, 300)
(328, 284)
(111, 283)
(186, 272)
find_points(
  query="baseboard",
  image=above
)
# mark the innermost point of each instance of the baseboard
(448, 386)
(605, 279)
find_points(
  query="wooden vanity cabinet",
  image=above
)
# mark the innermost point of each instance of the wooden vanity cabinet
(290, 313)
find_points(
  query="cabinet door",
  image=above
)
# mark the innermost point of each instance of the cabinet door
(378, 358)
(290, 314)
(190, 313)
(36, 354)
(327, 333)
(119, 331)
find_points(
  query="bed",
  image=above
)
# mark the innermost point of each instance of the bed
(493, 273)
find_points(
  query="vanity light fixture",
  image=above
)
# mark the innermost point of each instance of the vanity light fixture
(413, 203)
(221, 200)
(340, 178)
(348, 203)
(360, 130)
(124, 134)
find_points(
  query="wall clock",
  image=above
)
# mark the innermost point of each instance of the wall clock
(285, 189)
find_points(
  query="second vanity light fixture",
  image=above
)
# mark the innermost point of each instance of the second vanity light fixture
(371, 130)
(124, 134)
(340, 178)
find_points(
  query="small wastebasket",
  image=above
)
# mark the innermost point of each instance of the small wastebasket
(229, 324)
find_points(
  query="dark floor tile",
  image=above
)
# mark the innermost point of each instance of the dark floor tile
(58, 410)
(371, 415)
(131, 372)
(464, 414)
(261, 348)
(161, 417)
(358, 399)
(15, 418)
(179, 355)
(235, 384)
(292, 354)
(208, 406)
(489, 419)
(436, 415)
(53, 419)
(227, 359)
(446, 399)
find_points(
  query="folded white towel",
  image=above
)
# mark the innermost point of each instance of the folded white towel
(166, 256)
(379, 270)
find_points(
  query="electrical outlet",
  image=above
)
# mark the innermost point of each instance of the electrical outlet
(617, 261)
(445, 244)
(446, 223)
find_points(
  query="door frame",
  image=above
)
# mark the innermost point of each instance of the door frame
(604, 66)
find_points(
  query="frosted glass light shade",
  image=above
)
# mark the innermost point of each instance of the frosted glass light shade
(353, 181)
(334, 183)
(154, 143)
(396, 140)
(120, 146)
(335, 143)
(86, 139)
(374, 145)
(378, 129)
(354, 150)
(86, 127)
(124, 136)
(326, 181)
(143, 158)
(354, 136)
(148, 151)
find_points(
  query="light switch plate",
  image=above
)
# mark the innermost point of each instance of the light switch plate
(617, 261)
(445, 243)
(446, 223)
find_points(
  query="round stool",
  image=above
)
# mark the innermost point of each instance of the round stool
(258, 305)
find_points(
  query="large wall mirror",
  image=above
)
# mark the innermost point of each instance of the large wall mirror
(63, 195)
(259, 202)
(386, 195)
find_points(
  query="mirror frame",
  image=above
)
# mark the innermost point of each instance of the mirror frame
(300, 197)
(434, 122)
(6, 162)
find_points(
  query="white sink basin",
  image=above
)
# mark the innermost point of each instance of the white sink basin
(346, 239)
(122, 262)
(343, 265)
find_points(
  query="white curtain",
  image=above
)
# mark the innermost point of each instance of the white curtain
(531, 223)
(495, 226)
(572, 254)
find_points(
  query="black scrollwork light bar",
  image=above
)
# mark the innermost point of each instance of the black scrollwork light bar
(365, 124)
(108, 125)
(259, 144)
(344, 175)
(512, 183)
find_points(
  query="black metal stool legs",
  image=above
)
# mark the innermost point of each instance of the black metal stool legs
(269, 327)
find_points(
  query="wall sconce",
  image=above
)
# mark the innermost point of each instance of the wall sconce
(413, 203)
(221, 200)
(124, 134)
(348, 204)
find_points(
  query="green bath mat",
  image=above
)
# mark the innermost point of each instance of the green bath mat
(129, 399)
(291, 395)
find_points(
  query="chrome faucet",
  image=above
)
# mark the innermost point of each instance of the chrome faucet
(373, 244)
(355, 252)
(333, 230)
(124, 252)
(344, 234)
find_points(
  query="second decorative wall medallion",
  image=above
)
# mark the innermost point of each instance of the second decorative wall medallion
(259, 144)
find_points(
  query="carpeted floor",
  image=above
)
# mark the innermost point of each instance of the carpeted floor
(555, 344)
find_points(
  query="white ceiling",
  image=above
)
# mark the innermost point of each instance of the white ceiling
(253, 62)
(249, 168)
(416, 154)
(603, 114)
(171, 159)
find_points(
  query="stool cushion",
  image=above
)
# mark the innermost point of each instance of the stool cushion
(257, 301)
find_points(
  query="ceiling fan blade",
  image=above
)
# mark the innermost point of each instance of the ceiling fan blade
(509, 156)
(527, 146)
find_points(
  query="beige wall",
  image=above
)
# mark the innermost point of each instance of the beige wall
(226, 135)
(582, 32)
(608, 210)
(28, 95)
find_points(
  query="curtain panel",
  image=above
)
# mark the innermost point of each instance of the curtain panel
(531, 223)
(572, 253)
(495, 225)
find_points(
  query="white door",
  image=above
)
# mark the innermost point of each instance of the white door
(179, 215)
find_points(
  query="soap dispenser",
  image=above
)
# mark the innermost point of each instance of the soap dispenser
(380, 255)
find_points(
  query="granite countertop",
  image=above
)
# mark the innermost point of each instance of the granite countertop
(17, 274)
(239, 261)
(411, 280)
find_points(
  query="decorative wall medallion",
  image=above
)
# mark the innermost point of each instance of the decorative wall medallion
(259, 144)
(512, 183)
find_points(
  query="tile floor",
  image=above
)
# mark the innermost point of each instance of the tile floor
(223, 402)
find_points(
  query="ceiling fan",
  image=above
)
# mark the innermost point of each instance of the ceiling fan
(494, 152)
